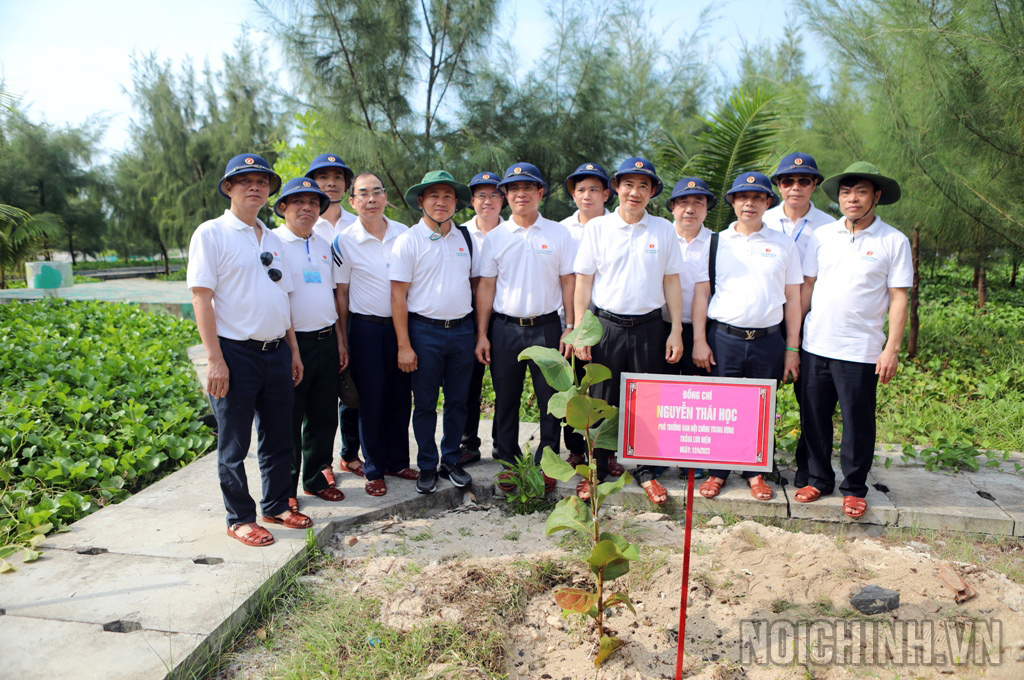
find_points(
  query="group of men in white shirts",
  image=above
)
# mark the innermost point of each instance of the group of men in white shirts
(411, 311)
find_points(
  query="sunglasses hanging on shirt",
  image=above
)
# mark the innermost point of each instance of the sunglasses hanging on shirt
(267, 259)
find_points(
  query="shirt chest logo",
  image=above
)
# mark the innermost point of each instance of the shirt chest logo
(651, 249)
(869, 256)
(462, 252)
(545, 249)
(769, 253)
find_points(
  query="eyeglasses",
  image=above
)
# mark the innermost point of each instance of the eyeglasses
(495, 196)
(522, 187)
(790, 181)
(376, 193)
(267, 259)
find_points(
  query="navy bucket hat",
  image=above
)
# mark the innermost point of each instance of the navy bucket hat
(523, 172)
(301, 185)
(797, 164)
(330, 160)
(483, 179)
(249, 162)
(690, 186)
(752, 181)
(585, 170)
(639, 166)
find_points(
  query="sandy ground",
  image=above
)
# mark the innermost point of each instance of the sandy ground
(763, 602)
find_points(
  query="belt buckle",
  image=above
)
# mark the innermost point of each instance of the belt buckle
(269, 345)
(324, 333)
(530, 319)
(448, 323)
(750, 333)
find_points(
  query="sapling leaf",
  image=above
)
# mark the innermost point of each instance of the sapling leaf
(606, 435)
(583, 470)
(605, 551)
(570, 513)
(575, 600)
(587, 334)
(556, 370)
(605, 489)
(593, 374)
(627, 549)
(619, 599)
(559, 400)
(608, 645)
(29, 555)
(583, 411)
(555, 467)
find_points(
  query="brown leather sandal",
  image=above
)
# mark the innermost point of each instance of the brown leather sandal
(258, 537)
(807, 494)
(615, 469)
(854, 507)
(583, 490)
(758, 488)
(376, 487)
(329, 475)
(549, 484)
(353, 466)
(328, 494)
(655, 491)
(577, 459)
(711, 487)
(293, 520)
(405, 473)
(293, 504)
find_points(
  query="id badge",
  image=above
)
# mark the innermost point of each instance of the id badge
(311, 275)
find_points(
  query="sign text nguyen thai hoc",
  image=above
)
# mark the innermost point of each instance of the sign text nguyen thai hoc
(722, 423)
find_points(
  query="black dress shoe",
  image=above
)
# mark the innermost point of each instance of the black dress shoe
(469, 455)
(427, 483)
(455, 474)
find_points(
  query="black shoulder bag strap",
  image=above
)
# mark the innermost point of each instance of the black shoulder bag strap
(469, 242)
(712, 260)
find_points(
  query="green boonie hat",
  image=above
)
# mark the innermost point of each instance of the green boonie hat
(462, 192)
(890, 187)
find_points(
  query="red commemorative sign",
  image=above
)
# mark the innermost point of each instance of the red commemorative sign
(698, 422)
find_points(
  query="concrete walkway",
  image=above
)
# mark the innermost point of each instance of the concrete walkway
(153, 588)
(150, 294)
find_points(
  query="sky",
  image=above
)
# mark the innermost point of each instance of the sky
(68, 60)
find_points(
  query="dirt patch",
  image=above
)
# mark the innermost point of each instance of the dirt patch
(784, 594)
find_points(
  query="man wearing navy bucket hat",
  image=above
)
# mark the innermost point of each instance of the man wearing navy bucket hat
(856, 270)
(749, 327)
(628, 264)
(487, 204)
(525, 277)
(319, 336)
(433, 273)
(334, 178)
(240, 283)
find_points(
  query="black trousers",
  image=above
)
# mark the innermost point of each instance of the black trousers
(314, 419)
(634, 349)
(851, 384)
(508, 339)
(575, 443)
(471, 435)
(736, 357)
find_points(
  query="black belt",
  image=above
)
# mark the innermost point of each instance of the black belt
(258, 345)
(529, 320)
(447, 323)
(629, 320)
(745, 333)
(382, 320)
(321, 334)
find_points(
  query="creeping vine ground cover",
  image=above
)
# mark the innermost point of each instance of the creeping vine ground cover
(98, 400)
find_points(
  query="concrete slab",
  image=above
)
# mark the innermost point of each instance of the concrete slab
(34, 648)
(1008, 492)
(932, 500)
(881, 510)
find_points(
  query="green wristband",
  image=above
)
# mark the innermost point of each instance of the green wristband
(793, 349)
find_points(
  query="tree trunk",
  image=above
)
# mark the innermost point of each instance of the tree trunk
(71, 249)
(163, 254)
(981, 287)
(1013, 273)
(915, 293)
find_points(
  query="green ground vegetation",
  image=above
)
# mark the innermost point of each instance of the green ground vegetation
(99, 400)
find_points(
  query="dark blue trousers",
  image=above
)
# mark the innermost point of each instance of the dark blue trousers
(444, 360)
(260, 386)
(384, 397)
(852, 384)
(735, 357)
(349, 419)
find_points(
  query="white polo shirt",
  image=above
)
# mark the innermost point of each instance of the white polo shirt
(437, 271)
(572, 223)
(851, 293)
(691, 264)
(751, 276)
(327, 231)
(527, 262)
(478, 236)
(366, 267)
(802, 229)
(224, 256)
(313, 280)
(629, 262)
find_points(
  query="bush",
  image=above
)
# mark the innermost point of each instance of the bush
(100, 400)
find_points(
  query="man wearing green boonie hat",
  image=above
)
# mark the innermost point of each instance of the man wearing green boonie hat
(432, 303)
(855, 271)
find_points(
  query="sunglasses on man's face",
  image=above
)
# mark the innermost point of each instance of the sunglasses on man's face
(790, 181)
(267, 259)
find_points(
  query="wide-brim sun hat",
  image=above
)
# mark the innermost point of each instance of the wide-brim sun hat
(752, 181)
(639, 166)
(330, 160)
(586, 170)
(462, 192)
(797, 164)
(889, 187)
(248, 162)
(691, 186)
(523, 172)
(301, 185)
